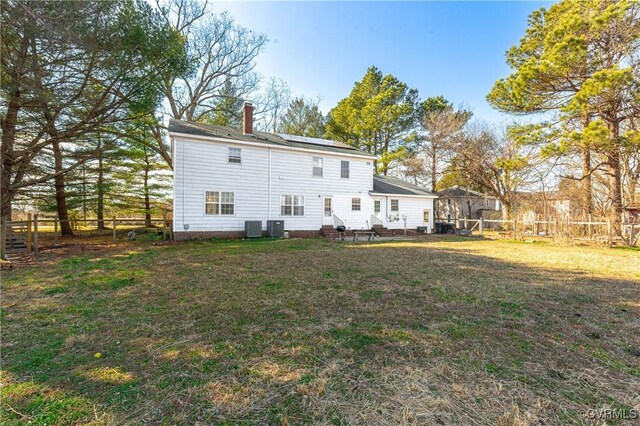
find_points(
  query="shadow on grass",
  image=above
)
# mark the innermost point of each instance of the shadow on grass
(312, 331)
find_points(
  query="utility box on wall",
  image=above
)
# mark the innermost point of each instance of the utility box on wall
(253, 228)
(275, 228)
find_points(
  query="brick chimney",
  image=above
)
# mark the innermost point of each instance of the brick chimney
(247, 119)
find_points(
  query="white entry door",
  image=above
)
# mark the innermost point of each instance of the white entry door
(327, 211)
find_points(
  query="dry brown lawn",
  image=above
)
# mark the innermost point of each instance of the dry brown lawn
(436, 331)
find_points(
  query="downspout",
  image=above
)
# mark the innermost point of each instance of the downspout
(269, 201)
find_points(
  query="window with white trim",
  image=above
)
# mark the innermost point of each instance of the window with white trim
(235, 155)
(344, 169)
(291, 205)
(376, 206)
(317, 166)
(395, 205)
(219, 203)
(426, 216)
(355, 204)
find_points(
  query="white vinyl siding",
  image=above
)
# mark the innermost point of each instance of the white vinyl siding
(344, 169)
(317, 167)
(201, 166)
(291, 205)
(235, 155)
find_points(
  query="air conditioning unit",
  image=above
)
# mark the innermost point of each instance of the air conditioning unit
(275, 228)
(253, 228)
(393, 217)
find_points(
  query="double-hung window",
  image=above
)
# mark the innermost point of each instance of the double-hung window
(344, 169)
(235, 155)
(376, 206)
(317, 166)
(355, 204)
(292, 205)
(395, 205)
(219, 203)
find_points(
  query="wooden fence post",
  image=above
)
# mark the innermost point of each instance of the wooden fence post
(29, 236)
(3, 237)
(589, 230)
(35, 234)
(515, 227)
(609, 239)
(481, 226)
(535, 225)
(114, 229)
(164, 227)
(55, 230)
(466, 226)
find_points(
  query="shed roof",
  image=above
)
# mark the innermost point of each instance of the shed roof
(266, 138)
(395, 186)
(456, 191)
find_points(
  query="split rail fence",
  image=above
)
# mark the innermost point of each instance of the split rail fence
(26, 236)
(556, 229)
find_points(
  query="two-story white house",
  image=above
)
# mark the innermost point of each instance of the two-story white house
(223, 177)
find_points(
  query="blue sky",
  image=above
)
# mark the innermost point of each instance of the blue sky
(455, 49)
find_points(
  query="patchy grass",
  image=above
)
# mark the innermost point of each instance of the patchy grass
(436, 331)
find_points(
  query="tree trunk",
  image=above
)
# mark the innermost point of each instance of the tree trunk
(8, 123)
(100, 188)
(506, 209)
(615, 188)
(587, 185)
(147, 203)
(61, 197)
(434, 175)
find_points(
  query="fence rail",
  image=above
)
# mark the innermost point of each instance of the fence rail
(23, 236)
(557, 229)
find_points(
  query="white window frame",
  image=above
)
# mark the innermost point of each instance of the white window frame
(426, 213)
(219, 204)
(316, 171)
(377, 206)
(356, 201)
(343, 169)
(234, 159)
(397, 208)
(295, 202)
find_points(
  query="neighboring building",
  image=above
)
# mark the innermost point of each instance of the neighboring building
(539, 205)
(459, 203)
(223, 177)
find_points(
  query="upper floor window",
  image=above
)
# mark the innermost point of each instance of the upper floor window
(235, 155)
(344, 169)
(317, 166)
(219, 203)
(292, 205)
(355, 204)
(395, 205)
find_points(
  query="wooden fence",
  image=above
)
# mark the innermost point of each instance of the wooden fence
(556, 229)
(24, 236)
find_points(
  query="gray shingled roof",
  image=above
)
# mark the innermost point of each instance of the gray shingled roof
(456, 191)
(393, 185)
(198, 129)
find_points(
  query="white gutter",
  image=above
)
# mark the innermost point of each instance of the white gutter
(197, 138)
(379, 194)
